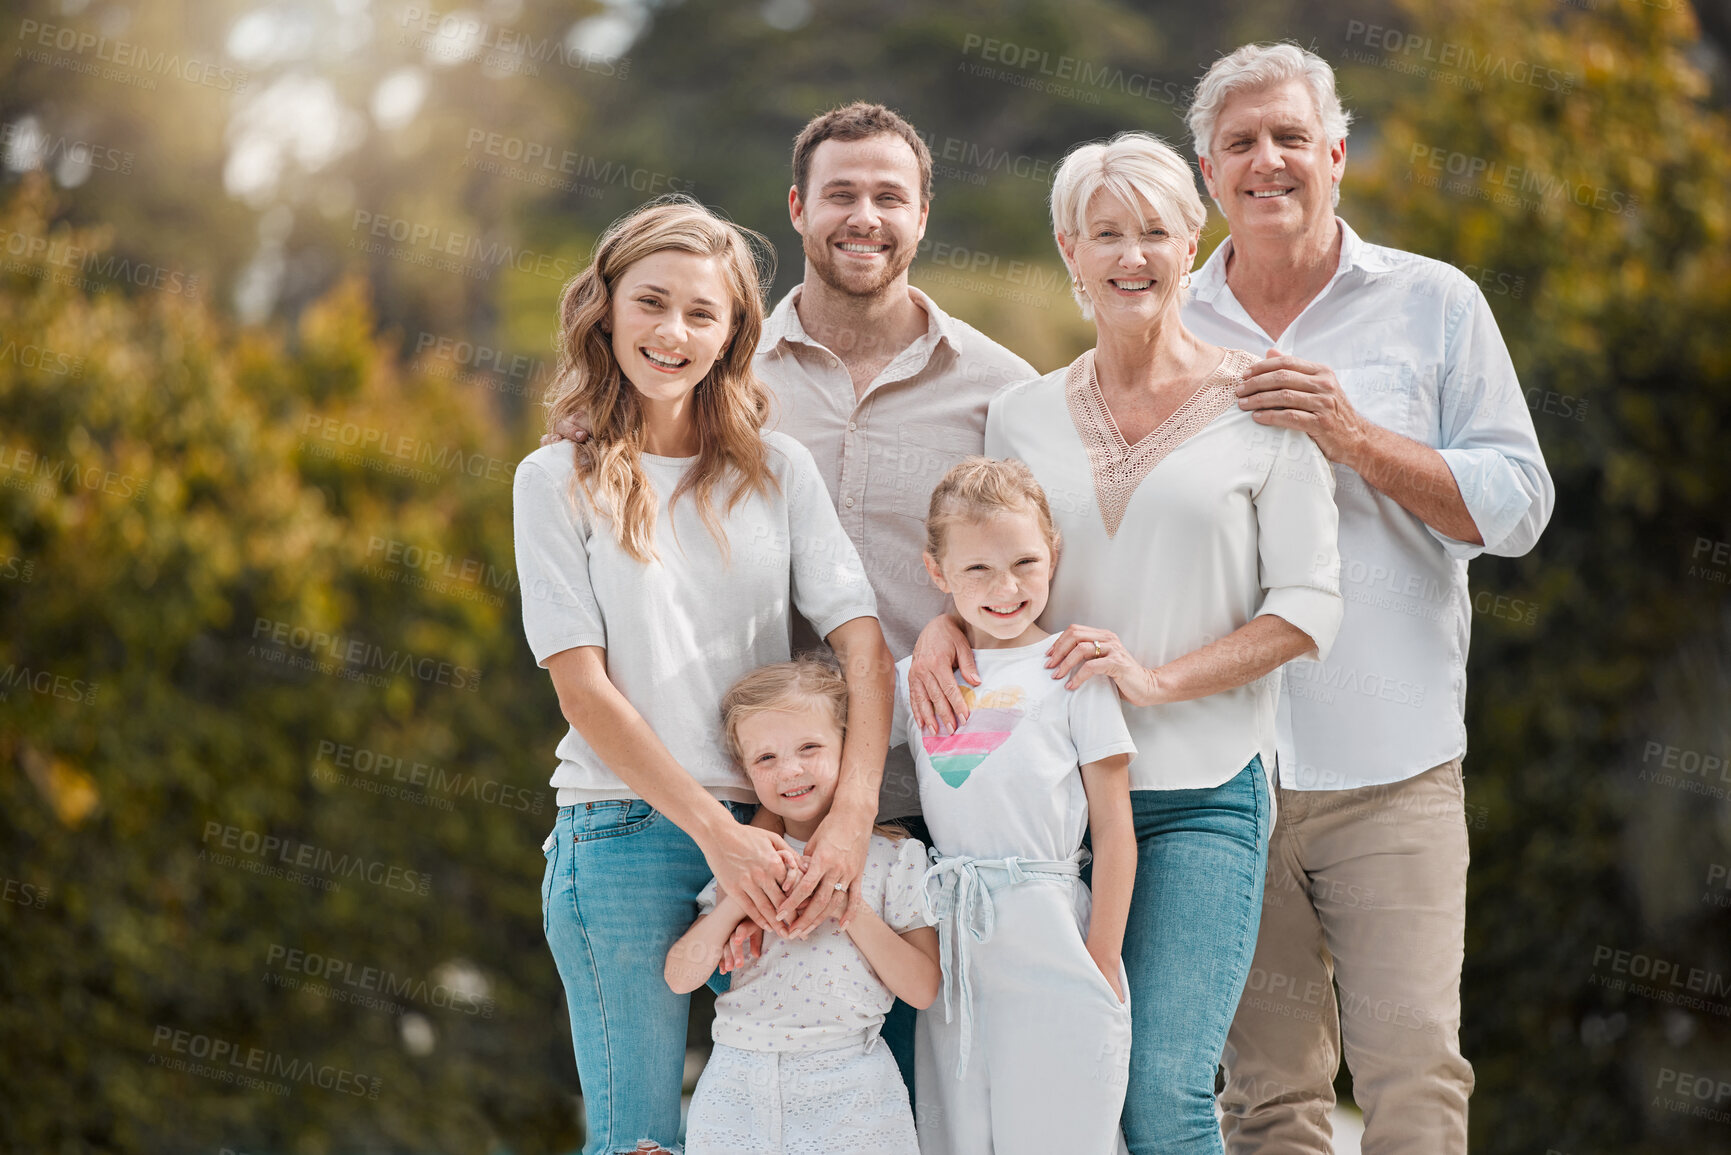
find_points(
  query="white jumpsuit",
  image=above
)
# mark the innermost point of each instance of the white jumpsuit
(1027, 1051)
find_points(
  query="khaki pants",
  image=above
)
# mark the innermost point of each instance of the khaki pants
(1366, 889)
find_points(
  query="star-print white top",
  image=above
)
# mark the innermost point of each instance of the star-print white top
(1009, 783)
(820, 993)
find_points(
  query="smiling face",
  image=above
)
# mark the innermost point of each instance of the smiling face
(861, 219)
(793, 757)
(1129, 260)
(1270, 166)
(672, 315)
(999, 570)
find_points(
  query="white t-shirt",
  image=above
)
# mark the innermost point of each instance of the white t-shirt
(820, 993)
(678, 632)
(1008, 783)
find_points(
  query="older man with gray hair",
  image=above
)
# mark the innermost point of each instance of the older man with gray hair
(1393, 364)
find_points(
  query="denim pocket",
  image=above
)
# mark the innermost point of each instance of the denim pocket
(549, 851)
(612, 818)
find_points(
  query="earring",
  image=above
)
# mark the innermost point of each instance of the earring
(1184, 281)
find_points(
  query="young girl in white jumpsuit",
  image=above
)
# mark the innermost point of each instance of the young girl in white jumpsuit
(798, 1067)
(1029, 1051)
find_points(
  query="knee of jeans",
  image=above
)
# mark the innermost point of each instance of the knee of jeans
(1162, 1087)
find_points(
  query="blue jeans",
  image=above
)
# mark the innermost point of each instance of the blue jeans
(620, 888)
(1201, 856)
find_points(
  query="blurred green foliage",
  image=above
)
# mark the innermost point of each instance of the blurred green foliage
(173, 505)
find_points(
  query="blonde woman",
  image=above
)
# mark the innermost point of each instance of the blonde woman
(1199, 557)
(661, 560)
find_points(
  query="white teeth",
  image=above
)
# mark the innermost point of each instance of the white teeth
(1132, 285)
(800, 793)
(1005, 609)
(659, 359)
(860, 248)
(1279, 192)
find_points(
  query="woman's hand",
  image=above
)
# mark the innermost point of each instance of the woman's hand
(746, 941)
(1082, 652)
(566, 429)
(750, 863)
(835, 854)
(933, 696)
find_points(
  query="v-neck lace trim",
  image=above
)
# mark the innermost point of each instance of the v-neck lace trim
(1117, 467)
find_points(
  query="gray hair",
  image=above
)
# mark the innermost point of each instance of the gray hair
(1133, 166)
(1258, 66)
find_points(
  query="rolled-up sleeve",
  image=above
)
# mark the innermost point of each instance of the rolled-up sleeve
(1488, 440)
(1298, 541)
(829, 583)
(559, 607)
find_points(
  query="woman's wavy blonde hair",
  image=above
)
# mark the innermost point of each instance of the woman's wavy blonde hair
(729, 406)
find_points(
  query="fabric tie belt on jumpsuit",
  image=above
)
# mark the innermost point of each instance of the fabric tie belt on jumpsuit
(959, 901)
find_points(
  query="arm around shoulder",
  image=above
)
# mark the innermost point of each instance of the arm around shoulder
(1298, 543)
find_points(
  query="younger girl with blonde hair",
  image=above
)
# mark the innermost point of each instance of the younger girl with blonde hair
(798, 1065)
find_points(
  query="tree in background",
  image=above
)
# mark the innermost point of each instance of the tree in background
(277, 758)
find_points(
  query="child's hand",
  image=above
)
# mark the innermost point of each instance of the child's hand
(742, 946)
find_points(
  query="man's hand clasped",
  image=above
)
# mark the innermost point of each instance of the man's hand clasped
(1293, 393)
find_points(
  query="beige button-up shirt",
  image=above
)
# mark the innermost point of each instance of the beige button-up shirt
(883, 453)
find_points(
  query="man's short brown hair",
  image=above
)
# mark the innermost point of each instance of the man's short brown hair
(858, 121)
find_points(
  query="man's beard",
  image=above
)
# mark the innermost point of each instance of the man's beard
(827, 265)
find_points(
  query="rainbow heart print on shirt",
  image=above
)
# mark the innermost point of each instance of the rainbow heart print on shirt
(991, 717)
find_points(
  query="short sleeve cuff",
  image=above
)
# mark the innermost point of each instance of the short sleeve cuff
(545, 647)
(1494, 499)
(1083, 757)
(829, 625)
(706, 898)
(904, 888)
(1316, 612)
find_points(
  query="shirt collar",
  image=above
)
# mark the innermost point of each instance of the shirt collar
(783, 324)
(1355, 255)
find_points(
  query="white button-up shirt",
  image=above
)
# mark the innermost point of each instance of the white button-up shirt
(1416, 350)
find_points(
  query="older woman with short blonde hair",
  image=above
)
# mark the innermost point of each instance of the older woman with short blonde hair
(1199, 558)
